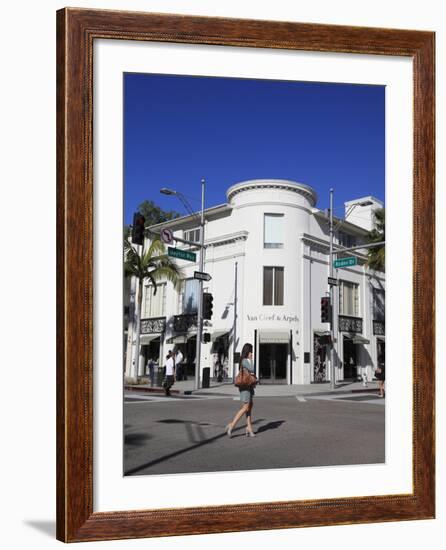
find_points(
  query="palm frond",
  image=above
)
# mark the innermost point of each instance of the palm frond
(156, 248)
(377, 255)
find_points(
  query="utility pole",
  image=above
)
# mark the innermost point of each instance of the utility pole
(234, 347)
(200, 294)
(332, 309)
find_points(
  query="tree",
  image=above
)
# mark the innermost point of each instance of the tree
(154, 265)
(154, 214)
(377, 254)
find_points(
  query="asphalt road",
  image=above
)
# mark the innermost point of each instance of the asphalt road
(186, 434)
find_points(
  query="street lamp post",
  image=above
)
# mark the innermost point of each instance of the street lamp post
(332, 308)
(200, 294)
(188, 207)
(333, 315)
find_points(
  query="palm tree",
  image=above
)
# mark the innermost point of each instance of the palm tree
(377, 254)
(154, 265)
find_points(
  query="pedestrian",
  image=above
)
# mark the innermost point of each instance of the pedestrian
(364, 376)
(179, 358)
(170, 373)
(151, 370)
(220, 354)
(380, 374)
(246, 394)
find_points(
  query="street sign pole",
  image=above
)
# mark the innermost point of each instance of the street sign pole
(332, 305)
(234, 345)
(200, 296)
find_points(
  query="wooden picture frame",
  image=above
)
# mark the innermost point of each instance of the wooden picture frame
(76, 31)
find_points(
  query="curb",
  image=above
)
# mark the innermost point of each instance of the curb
(158, 390)
(149, 390)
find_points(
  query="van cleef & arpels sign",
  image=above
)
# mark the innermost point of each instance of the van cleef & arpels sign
(273, 317)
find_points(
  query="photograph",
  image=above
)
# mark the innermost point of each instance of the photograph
(223, 292)
(253, 274)
(237, 248)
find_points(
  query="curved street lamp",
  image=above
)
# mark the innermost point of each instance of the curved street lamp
(185, 202)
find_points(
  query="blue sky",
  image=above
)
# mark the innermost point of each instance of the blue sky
(178, 129)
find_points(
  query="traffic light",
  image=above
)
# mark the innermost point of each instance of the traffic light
(325, 340)
(207, 305)
(325, 310)
(138, 228)
(206, 337)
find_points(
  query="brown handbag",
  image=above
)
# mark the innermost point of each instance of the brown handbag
(245, 379)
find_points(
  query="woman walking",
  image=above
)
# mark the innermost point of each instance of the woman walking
(380, 375)
(246, 394)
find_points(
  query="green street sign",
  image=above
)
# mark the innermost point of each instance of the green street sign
(182, 254)
(345, 262)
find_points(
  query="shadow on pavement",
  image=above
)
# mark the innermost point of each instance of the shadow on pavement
(136, 440)
(271, 426)
(176, 421)
(138, 469)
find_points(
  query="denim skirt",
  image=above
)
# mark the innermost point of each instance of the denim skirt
(246, 395)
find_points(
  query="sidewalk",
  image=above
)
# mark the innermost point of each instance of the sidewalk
(227, 389)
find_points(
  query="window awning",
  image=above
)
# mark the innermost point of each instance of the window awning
(217, 333)
(145, 339)
(274, 337)
(181, 338)
(357, 339)
(322, 332)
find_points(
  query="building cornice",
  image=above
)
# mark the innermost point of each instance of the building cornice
(323, 246)
(178, 223)
(228, 238)
(284, 185)
(279, 203)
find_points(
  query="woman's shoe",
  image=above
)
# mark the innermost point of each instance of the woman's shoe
(250, 433)
(228, 430)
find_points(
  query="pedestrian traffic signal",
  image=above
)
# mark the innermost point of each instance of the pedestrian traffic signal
(207, 305)
(206, 337)
(325, 310)
(138, 228)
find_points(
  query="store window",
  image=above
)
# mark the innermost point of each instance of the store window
(349, 299)
(273, 279)
(193, 235)
(273, 230)
(379, 305)
(154, 303)
(347, 240)
(190, 296)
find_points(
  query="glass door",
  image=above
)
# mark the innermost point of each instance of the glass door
(273, 360)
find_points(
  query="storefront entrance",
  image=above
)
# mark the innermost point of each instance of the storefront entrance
(320, 358)
(350, 359)
(381, 352)
(273, 360)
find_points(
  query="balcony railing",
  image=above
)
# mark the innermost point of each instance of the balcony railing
(350, 324)
(379, 328)
(182, 323)
(153, 325)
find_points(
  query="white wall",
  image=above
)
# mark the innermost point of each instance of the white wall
(28, 186)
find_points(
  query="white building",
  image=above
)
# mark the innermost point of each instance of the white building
(269, 247)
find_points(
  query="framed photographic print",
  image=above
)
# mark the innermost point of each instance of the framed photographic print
(245, 218)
